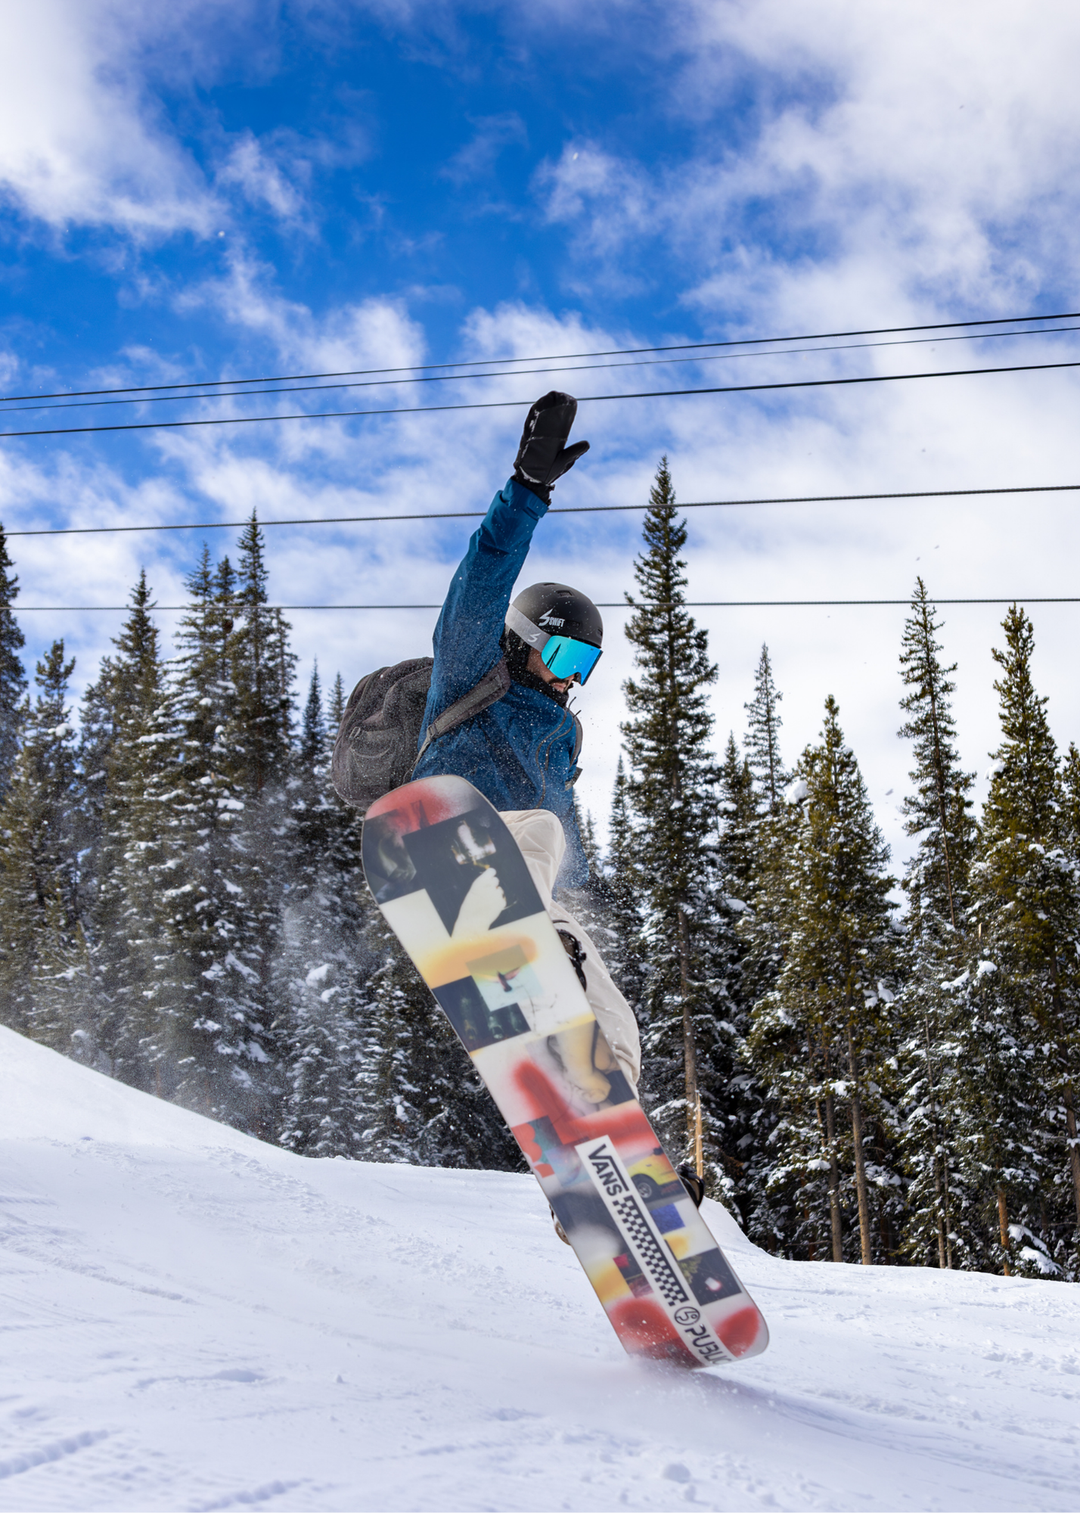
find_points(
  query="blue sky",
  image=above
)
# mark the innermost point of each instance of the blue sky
(212, 189)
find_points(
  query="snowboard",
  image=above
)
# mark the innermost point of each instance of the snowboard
(456, 891)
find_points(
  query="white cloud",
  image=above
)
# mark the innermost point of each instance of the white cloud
(608, 200)
(252, 169)
(79, 142)
(934, 143)
(370, 333)
(491, 134)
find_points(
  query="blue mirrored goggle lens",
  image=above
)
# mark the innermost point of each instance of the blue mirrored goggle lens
(564, 657)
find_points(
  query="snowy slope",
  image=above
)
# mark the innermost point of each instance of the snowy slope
(190, 1319)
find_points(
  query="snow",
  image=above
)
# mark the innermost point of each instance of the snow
(195, 1320)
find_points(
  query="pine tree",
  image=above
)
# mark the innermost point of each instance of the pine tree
(626, 959)
(325, 965)
(737, 884)
(1028, 910)
(260, 741)
(12, 674)
(939, 810)
(135, 959)
(336, 709)
(39, 920)
(671, 787)
(767, 838)
(937, 1055)
(762, 740)
(818, 1039)
(760, 836)
(1070, 778)
(313, 729)
(738, 813)
(222, 902)
(263, 669)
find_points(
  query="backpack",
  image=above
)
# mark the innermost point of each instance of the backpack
(376, 745)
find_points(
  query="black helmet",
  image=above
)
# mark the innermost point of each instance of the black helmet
(555, 609)
(559, 623)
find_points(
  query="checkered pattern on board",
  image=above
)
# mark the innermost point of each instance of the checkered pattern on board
(658, 1267)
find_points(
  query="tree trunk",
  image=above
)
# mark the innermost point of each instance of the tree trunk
(1003, 1228)
(834, 1181)
(860, 1165)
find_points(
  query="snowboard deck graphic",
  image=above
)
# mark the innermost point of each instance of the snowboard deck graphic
(454, 887)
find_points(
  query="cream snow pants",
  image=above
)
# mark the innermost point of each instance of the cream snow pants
(539, 835)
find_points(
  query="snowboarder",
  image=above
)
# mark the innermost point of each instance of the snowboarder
(521, 751)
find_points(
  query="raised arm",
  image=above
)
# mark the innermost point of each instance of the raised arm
(466, 639)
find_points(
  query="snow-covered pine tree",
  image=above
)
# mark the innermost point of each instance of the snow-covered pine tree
(325, 965)
(1070, 778)
(1070, 789)
(1028, 912)
(263, 670)
(199, 899)
(818, 1039)
(939, 811)
(739, 829)
(139, 974)
(762, 835)
(313, 729)
(12, 672)
(762, 739)
(255, 748)
(223, 887)
(690, 1045)
(769, 839)
(40, 936)
(737, 816)
(336, 708)
(626, 960)
(938, 1058)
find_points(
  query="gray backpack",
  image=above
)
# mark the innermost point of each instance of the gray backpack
(376, 745)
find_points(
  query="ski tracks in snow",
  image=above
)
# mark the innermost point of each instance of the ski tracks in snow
(191, 1320)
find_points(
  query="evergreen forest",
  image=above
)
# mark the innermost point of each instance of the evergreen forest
(182, 907)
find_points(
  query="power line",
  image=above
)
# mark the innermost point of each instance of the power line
(570, 509)
(511, 404)
(84, 609)
(749, 341)
(432, 378)
(785, 604)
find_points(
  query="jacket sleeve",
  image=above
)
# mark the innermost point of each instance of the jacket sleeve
(466, 639)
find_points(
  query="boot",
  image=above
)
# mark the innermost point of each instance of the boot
(694, 1184)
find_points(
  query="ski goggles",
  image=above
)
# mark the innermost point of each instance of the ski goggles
(566, 658)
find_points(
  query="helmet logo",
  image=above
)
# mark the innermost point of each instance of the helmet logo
(547, 618)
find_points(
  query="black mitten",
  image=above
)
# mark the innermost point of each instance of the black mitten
(543, 456)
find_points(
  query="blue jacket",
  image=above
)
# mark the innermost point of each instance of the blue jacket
(520, 751)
